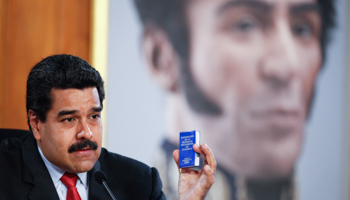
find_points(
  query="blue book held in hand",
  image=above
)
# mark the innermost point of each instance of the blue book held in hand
(188, 157)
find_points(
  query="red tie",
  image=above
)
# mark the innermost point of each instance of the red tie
(70, 180)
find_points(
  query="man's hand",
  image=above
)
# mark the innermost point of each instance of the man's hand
(195, 184)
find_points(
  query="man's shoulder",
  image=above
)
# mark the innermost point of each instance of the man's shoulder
(136, 179)
(12, 152)
(12, 145)
(120, 162)
(10, 155)
(12, 169)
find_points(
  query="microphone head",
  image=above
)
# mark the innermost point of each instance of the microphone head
(100, 176)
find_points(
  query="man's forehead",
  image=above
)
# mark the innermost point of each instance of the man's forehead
(73, 98)
(282, 1)
(68, 111)
(210, 9)
(74, 91)
(265, 3)
(221, 4)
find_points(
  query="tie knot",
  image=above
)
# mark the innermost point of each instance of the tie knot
(69, 179)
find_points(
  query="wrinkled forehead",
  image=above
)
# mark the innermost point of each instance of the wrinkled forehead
(213, 12)
(74, 98)
(218, 6)
(266, 1)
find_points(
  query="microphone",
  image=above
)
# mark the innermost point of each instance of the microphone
(101, 178)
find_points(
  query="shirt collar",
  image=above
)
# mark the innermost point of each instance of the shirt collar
(56, 173)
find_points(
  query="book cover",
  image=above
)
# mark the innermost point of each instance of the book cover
(188, 157)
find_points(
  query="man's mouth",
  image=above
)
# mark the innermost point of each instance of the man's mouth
(278, 118)
(272, 113)
(84, 149)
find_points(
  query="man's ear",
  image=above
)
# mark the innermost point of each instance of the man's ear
(162, 60)
(34, 122)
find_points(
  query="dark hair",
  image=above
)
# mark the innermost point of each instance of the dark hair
(327, 11)
(170, 16)
(62, 72)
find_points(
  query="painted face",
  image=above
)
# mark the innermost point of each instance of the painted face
(74, 119)
(257, 61)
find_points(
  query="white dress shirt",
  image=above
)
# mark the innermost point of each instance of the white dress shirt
(56, 173)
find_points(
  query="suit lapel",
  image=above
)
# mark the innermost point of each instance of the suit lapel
(35, 172)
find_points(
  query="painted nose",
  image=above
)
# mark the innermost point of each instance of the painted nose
(280, 63)
(85, 132)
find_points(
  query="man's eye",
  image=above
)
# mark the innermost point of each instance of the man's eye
(95, 116)
(68, 119)
(245, 25)
(302, 30)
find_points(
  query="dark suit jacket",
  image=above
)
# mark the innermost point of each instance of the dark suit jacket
(23, 175)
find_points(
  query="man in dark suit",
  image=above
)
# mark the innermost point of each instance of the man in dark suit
(59, 160)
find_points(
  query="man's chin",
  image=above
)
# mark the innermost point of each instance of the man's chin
(275, 168)
(81, 166)
(270, 176)
(84, 160)
(274, 163)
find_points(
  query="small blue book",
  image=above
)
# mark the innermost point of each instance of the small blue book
(188, 157)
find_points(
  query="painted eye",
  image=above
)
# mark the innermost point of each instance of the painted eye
(246, 25)
(302, 30)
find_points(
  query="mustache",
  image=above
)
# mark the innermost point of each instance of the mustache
(81, 145)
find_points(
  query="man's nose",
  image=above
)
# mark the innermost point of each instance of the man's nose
(280, 63)
(84, 131)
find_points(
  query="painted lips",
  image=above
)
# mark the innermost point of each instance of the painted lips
(278, 118)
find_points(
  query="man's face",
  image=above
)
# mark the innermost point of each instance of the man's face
(257, 61)
(73, 118)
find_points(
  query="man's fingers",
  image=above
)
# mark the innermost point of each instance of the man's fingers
(209, 155)
(176, 156)
(209, 175)
(199, 150)
(207, 178)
